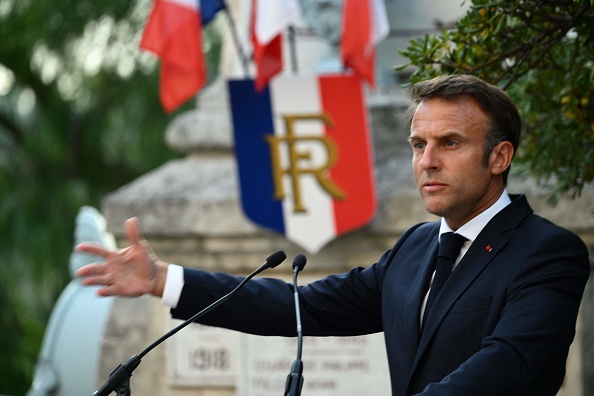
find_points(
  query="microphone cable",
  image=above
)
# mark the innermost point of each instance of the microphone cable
(294, 382)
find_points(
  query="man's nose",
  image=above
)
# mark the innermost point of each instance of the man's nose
(430, 158)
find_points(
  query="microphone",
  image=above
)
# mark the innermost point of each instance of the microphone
(119, 379)
(294, 382)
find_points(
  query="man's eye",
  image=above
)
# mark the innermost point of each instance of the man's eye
(419, 146)
(450, 143)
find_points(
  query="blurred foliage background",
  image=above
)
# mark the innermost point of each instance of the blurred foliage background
(79, 117)
(542, 53)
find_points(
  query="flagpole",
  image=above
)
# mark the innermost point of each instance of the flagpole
(293, 49)
(238, 45)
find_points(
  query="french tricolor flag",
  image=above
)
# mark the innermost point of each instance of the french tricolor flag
(304, 157)
(174, 33)
(364, 25)
(269, 19)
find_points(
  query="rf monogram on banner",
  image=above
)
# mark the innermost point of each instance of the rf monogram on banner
(295, 156)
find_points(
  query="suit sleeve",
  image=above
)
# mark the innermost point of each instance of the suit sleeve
(525, 352)
(265, 306)
(337, 305)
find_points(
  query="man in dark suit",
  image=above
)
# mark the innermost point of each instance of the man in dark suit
(505, 315)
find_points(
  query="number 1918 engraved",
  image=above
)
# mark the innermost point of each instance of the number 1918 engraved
(206, 359)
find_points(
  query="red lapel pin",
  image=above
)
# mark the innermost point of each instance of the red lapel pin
(489, 248)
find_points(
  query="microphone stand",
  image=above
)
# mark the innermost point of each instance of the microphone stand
(119, 379)
(294, 382)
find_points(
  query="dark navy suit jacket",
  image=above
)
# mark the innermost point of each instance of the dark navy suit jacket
(502, 324)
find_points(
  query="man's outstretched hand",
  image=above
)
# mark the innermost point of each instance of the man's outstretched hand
(130, 272)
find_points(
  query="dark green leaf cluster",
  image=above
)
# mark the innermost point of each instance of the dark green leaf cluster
(79, 117)
(542, 53)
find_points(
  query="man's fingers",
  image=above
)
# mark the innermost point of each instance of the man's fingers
(106, 291)
(96, 280)
(91, 270)
(93, 248)
(132, 230)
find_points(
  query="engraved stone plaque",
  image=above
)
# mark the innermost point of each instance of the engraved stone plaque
(331, 365)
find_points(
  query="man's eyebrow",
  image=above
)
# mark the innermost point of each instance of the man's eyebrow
(450, 135)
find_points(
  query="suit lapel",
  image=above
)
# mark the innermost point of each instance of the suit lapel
(481, 253)
(469, 268)
(418, 289)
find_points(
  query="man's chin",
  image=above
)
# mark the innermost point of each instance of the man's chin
(434, 207)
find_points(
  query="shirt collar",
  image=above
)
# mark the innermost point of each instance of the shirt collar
(474, 226)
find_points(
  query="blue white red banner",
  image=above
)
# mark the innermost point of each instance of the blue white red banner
(304, 156)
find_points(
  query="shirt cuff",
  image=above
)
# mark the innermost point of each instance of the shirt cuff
(174, 283)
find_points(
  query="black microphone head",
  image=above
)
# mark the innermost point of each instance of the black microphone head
(299, 261)
(276, 258)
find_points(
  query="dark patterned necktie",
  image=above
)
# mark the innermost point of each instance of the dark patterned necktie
(449, 249)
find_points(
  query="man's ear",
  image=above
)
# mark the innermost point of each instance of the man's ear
(501, 157)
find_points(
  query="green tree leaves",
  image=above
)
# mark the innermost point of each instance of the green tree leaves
(79, 117)
(542, 53)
